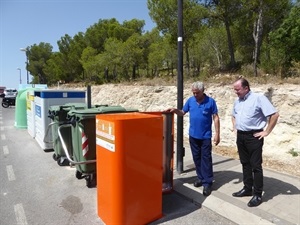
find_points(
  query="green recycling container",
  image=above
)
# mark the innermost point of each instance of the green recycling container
(58, 115)
(84, 139)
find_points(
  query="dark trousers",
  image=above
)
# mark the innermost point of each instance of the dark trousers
(201, 152)
(250, 153)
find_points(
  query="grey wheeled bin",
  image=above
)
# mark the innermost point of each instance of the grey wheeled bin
(58, 115)
(83, 131)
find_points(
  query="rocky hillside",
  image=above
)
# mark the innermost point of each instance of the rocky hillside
(281, 146)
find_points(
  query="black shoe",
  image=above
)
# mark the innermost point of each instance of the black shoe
(255, 201)
(242, 193)
(198, 183)
(206, 190)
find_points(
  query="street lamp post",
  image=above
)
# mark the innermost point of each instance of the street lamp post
(25, 50)
(20, 75)
(180, 148)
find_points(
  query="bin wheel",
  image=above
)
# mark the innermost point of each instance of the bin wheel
(54, 156)
(91, 181)
(79, 175)
(62, 161)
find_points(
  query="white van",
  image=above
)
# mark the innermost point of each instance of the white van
(10, 92)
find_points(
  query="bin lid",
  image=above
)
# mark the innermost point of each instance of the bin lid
(62, 110)
(91, 112)
(68, 106)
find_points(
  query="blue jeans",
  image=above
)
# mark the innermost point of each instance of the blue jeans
(201, 152)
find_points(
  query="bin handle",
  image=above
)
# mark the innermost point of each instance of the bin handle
(104, 105)
(47, 131)
(66, 149)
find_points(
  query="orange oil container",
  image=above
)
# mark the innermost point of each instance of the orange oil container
(129, 168)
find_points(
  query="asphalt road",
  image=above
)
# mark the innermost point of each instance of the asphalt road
(36, 191)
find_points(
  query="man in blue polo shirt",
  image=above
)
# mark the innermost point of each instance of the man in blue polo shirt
(202, 110)
(251, 113)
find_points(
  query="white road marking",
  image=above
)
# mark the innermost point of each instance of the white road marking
(10, 173)
(5, 150)
(3, 137)
(20, 214)
(7, 127)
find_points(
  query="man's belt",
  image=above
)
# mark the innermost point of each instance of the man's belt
(248, 132)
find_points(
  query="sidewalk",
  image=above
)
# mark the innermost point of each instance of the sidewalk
(281, 197)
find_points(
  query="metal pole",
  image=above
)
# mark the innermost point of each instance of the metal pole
(27, 62)
(27, 68)
(89, 96)
(180, 149)
(20, 75)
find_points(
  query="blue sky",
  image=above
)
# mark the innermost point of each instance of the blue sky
(27, 22)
